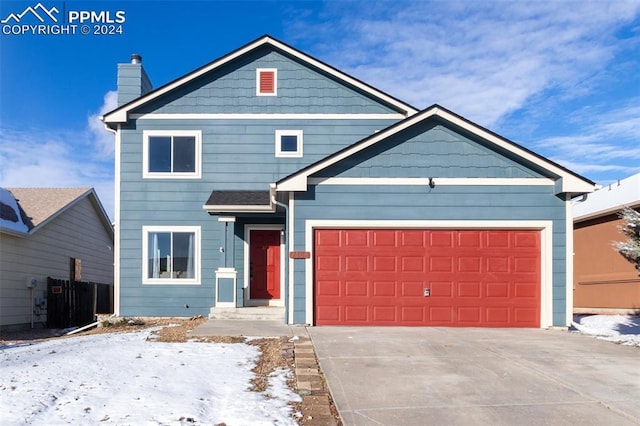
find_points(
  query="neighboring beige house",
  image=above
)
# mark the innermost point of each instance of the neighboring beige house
(604, 281)
(41, 231)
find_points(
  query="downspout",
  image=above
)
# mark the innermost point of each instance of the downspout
(116, 217)
(272, 193)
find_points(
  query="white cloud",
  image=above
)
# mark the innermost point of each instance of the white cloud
(598, 147)
(63, 158)
(483, 60)
(101, 137)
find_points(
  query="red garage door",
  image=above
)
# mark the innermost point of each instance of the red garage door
(473, 278)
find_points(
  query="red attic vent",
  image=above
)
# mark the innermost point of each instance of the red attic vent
(267, 82)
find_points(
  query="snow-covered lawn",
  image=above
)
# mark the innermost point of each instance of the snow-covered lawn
(125, 379)
(623, 329)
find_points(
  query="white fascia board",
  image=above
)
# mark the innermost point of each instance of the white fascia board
(120, 116)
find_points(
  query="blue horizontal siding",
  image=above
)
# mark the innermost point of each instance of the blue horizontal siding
(300, 89)
(451, 203)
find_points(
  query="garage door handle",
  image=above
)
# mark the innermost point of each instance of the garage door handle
(427, 292)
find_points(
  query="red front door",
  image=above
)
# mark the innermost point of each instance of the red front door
(264, 264)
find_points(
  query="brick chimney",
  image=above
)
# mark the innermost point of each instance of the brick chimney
(133, 81)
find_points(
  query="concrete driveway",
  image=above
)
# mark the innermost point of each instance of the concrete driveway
(450, 376)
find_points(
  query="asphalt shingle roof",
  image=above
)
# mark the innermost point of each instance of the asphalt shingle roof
(39, 204)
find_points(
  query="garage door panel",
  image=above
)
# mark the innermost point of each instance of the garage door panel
(469, 289)
(384, 289)
(474, 277)
(412, 314)
(411, 289)
(469, 264)
(384, 264)
(497, 290)
(440, 264)
(384, 314)
(469, 316)
(497, 315)
(356, 314)
(440, 315)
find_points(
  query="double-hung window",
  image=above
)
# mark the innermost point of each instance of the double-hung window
(171, 255)
(172, 154)
(288, 143)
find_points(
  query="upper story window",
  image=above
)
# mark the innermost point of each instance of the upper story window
(266, 82)
(172, 154)
(171, 255)
(288, 143)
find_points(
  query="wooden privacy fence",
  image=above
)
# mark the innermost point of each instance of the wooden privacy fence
(76, 303)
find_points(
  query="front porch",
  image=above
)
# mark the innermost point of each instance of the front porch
(250, 313)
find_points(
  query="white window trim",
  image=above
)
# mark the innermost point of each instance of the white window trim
(170, 281)
(197, 174)
(275, 81)
(289, 154)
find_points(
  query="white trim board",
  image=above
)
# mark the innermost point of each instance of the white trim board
(264, 116)
(436, 181)
(546, 245)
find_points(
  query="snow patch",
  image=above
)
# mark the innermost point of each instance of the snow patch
(123, 378)
(622, 329)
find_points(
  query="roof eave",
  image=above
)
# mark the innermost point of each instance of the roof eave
(14, 233)
(214, 209)
(571, 182)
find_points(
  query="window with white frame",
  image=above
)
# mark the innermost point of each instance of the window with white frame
(288, 143)
(266, 82)
(172, 154)
(171, 255)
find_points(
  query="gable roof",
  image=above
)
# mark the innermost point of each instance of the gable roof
(121, 114)
(572, 183)
(39, 206)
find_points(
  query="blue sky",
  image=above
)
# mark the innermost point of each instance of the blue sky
(560, 77)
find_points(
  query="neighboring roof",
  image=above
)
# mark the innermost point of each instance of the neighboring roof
(609, 199)
(10, 215)
(572, 183)
(239, 202)
(39, 206)
(120, 114)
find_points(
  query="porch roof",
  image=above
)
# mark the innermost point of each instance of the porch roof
(239, 201)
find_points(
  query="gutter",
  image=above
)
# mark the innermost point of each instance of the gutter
(272, 193)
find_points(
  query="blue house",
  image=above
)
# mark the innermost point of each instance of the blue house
(268, 178)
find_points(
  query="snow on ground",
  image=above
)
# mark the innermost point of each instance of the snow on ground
(623, 329)
(125, 379)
